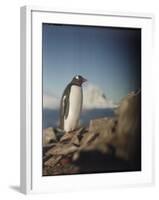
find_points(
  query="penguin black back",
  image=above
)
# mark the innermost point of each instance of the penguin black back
(64, 105)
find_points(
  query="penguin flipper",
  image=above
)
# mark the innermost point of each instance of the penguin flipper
(64, 106)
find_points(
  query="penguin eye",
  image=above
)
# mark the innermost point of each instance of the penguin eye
(77, 77)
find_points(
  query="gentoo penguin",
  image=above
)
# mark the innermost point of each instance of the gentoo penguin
(71, 104)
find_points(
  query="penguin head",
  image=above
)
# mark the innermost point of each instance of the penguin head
(78, 80)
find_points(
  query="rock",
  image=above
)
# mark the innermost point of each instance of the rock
(47, 147)
(73, 137)
(65, 161)
(75, 140)
(88, 138)
(97, 125)
(105, 127)
(46, 157)
(80, 131)
(62, 149)
(79, 134)
(128, 131)
(94, 142)
(59, 133)
(67, 137)
(49, 136)
(52, 161)
(75, 156)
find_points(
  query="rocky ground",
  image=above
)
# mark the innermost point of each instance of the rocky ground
(106, 145)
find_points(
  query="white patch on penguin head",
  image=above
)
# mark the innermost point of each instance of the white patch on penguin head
(77, 77)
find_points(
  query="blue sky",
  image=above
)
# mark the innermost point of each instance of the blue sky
(108, 57)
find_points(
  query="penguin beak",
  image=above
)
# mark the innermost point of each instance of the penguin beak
(83, 80)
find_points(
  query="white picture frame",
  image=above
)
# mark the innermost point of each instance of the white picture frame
(31, 117)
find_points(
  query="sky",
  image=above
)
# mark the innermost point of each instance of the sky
(109, 58)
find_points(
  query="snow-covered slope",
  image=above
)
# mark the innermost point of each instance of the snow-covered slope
(94, 97)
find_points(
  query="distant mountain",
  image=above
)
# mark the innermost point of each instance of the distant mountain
(51, 102)
(93, 98)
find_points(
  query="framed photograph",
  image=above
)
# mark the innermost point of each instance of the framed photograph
(86, 100)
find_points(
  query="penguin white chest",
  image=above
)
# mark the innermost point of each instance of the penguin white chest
(75, 106)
